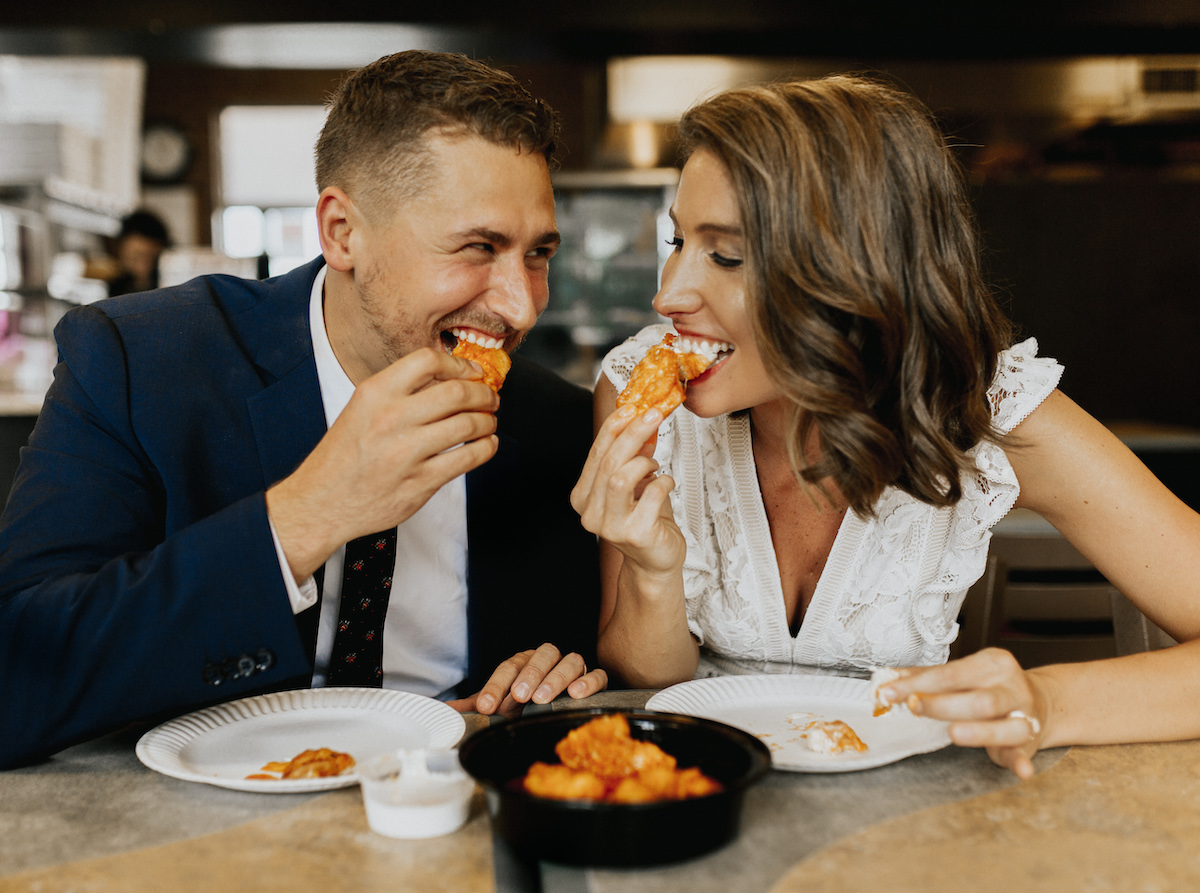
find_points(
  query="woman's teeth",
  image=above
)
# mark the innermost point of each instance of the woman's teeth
(476, 338)
(710, 350)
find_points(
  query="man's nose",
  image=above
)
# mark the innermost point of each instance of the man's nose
(517, 295)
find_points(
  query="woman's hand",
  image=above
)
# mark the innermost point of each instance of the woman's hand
(539, 676)
(987, 698)
(619, 498)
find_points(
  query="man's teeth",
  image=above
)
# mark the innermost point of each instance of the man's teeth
(710, 350)
(475, 338)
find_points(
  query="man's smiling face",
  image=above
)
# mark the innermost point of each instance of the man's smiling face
(466, 254)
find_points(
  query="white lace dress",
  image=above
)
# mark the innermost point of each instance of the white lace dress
(893, 584)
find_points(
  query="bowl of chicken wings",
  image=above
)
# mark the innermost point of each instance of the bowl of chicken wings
(610, 787)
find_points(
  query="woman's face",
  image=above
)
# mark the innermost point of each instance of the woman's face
(703, 290)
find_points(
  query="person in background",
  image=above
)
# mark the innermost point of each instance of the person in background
(826, 493)
(138, 246)
(209, 454)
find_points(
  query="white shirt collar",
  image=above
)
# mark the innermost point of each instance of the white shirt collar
(336, 386)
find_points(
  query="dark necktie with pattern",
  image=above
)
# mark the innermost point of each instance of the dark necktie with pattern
(357, 657)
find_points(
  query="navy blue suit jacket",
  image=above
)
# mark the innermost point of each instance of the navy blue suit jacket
(138, 578)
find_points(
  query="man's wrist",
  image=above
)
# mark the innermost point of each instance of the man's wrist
(302, 596)
(294, 538)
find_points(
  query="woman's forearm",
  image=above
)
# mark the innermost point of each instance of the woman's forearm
(1142, 697)
(646, 642)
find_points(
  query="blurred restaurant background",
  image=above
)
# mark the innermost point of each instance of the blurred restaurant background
(1078, 125)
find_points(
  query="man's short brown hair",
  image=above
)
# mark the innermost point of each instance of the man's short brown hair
(373, 141)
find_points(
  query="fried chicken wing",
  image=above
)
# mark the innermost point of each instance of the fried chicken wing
(560, 782)
(605, 748)
(602, 761)
(495, 362)
(658, 380)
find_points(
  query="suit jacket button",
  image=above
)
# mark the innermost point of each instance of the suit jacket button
(212, 674)
(265, 659)
(245, 667)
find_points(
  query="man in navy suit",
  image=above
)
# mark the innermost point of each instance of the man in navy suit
(175, 533)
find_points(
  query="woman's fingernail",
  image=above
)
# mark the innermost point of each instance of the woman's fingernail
(625, 412)
(485, 704)
(577, 688)
(543, 695)
(653, 416)
(914, 704)
(521, 691)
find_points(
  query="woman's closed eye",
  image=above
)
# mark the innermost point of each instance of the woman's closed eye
(719, 259)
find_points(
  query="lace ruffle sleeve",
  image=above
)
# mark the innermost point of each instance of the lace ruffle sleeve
(1023, 380)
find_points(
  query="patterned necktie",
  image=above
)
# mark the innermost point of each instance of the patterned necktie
(357, 657)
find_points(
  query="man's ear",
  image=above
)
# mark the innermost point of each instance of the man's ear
(337, 217)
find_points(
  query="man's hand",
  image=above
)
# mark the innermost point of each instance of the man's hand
(539, 676)
(406, 432)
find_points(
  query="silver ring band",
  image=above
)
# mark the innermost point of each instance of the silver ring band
(1035, 727)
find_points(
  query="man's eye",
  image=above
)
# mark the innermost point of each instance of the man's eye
(483, 246)
(721, 261)
(676, 242)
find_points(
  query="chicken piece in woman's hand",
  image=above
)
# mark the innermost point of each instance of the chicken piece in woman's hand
(488, 354)
(657, 382)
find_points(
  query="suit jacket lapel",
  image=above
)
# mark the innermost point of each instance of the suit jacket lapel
(288, 416)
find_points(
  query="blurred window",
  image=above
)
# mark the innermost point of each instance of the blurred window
(267, 189)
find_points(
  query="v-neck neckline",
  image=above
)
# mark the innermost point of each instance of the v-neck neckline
(776, 631)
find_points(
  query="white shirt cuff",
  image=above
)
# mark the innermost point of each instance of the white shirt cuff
(303, 595)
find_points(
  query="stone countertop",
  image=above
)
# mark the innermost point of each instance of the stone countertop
(93, 818)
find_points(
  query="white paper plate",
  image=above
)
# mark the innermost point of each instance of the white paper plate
(223, 744)
(761, 706)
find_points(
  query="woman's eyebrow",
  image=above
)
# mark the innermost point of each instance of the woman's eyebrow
(721, 229)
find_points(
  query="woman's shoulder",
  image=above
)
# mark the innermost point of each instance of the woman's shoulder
(1023, 380)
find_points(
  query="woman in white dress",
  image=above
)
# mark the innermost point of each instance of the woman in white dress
(826, 493)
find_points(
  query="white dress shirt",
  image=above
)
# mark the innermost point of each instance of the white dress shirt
(425, 631)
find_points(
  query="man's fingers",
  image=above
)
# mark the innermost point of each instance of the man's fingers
(540, 664)
(539, 676)
(463, 705)
(496, 688)
(555, 681)
(588, 684)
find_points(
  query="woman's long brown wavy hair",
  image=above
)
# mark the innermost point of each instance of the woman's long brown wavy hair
(862, 280)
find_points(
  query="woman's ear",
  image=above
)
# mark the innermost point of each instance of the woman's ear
(336, 217)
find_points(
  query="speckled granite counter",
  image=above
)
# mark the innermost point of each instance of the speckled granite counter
(1105, 818)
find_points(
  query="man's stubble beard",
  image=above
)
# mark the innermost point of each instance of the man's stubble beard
(396, 335)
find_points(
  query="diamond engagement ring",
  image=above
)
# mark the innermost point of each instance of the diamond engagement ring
(1034, 726)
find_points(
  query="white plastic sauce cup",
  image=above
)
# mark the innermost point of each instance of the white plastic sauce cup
(416, 793)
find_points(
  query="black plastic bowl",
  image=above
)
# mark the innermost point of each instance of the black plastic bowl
(584, 833)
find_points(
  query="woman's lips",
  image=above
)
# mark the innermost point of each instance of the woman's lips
(717, 352)
(708, 373)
